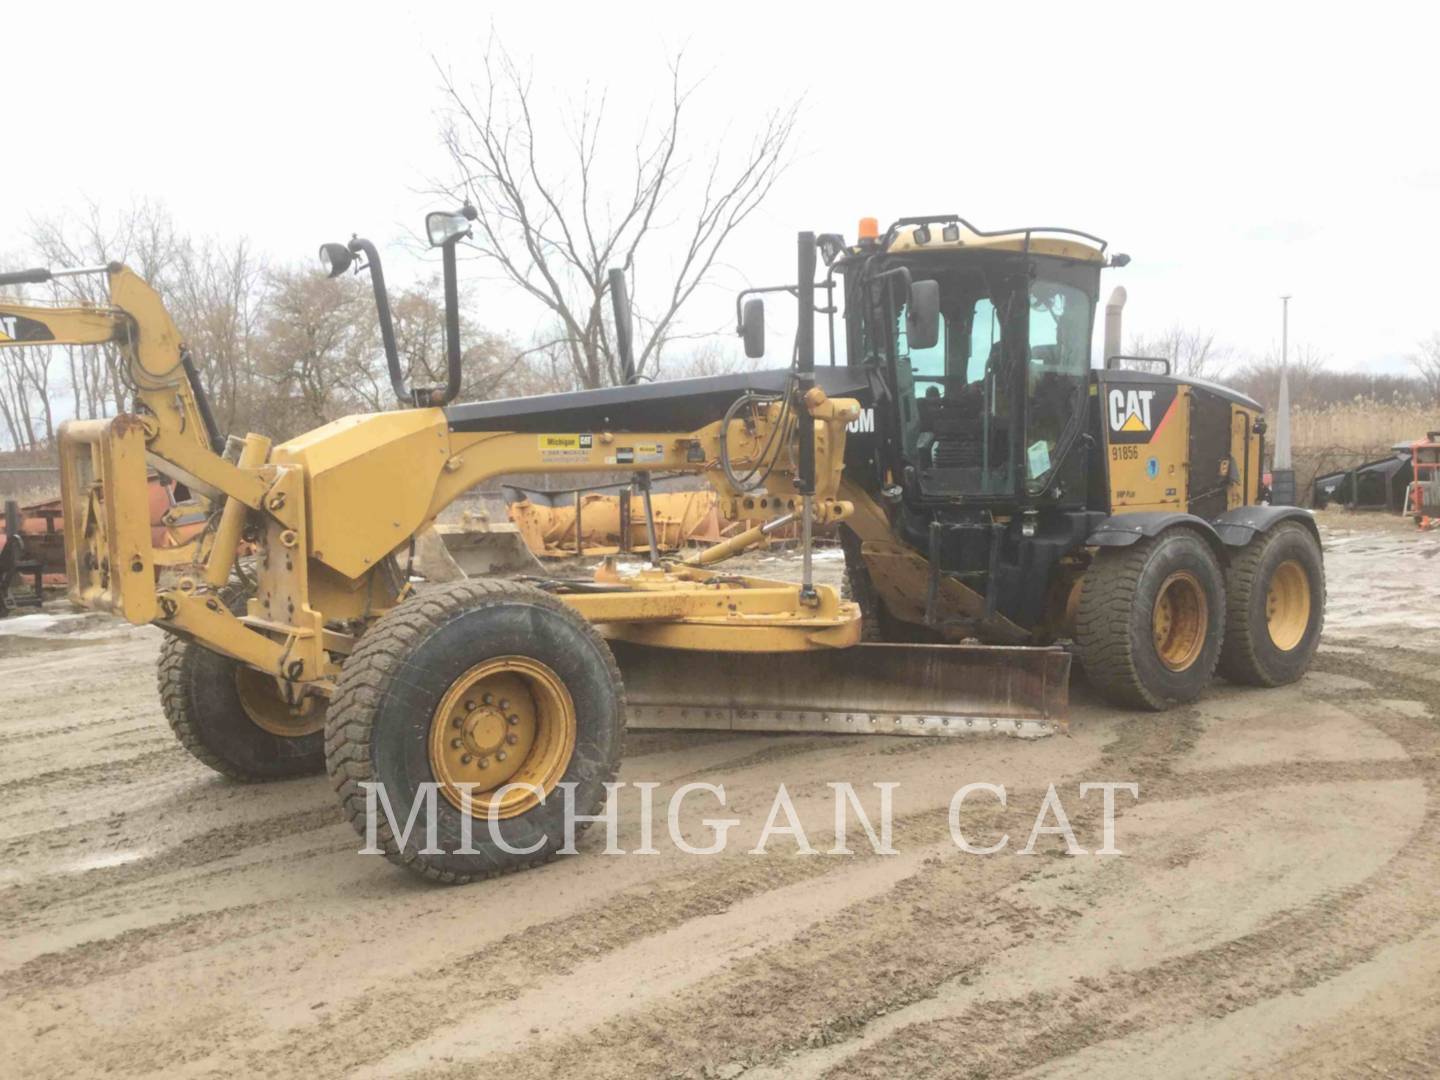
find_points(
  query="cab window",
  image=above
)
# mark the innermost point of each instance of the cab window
(1055, 376)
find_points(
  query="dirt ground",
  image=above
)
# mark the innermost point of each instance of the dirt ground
(1276, 910)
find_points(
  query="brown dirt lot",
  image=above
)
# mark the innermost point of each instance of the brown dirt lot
(1275, 912)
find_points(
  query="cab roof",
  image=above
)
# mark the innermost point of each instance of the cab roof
(951, 233)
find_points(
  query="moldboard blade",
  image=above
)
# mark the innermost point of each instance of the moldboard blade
(937, 690)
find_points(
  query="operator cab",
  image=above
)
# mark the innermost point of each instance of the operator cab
(991, 410)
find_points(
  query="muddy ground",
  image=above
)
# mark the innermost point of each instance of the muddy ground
(1276, 910)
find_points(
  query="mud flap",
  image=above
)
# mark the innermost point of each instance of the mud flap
(870, 689)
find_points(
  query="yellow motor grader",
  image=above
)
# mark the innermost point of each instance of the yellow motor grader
(995, 495)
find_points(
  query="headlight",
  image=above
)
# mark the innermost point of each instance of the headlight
(335, 259)
(443, 226)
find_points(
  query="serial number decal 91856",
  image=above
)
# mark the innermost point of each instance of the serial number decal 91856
(1124, 453)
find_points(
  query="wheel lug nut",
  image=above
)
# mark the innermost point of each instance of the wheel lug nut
(457, 722)
(484, 762)
(504, 705)
(500, 755)
(469, 706)
(466, 759)
(512, 719)
(512, 738)
(456, 743)
(487, 699)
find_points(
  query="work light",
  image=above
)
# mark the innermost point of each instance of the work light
(335, 259)
(442, 226)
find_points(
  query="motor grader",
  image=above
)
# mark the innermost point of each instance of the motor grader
(997, 498)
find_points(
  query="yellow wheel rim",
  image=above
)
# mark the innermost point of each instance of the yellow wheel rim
(509, 720)
(261, 700)
(1287, 605)
(1179, 620)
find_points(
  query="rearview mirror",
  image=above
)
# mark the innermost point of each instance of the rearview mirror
(752, 327)
(922, 315)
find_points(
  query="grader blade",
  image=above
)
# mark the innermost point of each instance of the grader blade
(872, 689)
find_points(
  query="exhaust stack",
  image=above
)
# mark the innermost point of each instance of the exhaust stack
(1114, 309)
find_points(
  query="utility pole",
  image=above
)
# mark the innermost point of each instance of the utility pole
(1282, 475)
(1284, 332)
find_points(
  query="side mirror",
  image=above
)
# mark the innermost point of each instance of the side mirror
(922, 315)
(752, 327)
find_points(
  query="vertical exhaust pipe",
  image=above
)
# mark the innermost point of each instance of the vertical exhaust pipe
(625, 346)
(1114, 311)
(804, 380)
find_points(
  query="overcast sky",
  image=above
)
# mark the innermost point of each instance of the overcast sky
(1236, 153)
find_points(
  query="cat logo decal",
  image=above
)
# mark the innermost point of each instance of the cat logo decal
(1130, 410)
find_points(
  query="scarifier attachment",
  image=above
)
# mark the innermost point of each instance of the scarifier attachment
(871, 689)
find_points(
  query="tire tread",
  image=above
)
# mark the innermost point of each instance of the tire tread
(1239, 657)
(366, 678)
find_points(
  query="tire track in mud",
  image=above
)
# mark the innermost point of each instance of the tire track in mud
(102, 773)
(124, 828)
(1293, 951)
(376, 1024)
(218, 843)
(129, 949)
(766, 755)
(823, 986)
(872, 958)
(91, 727)
(96, 959)
(779, 1014)
(20, 901)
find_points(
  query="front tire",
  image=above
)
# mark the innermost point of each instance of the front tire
(231, 717)
(1275, 592)
(480, 683)
(1150, 621)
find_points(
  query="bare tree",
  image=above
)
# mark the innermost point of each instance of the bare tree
(1191, 350)
(319, 351)
(1310, 382)
(277, 351)
(1426, 360)
(709, 358)
(144, 237)
(26, 387)
(553, 231)
(217, 299)
(486, 365)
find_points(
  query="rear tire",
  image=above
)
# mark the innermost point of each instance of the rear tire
(1150, 621)
(1275, 613)
(483, 683)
